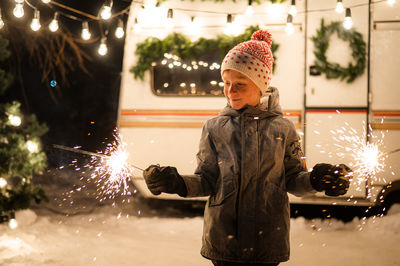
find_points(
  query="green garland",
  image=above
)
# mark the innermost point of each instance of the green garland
(153, 49)
(334, 70)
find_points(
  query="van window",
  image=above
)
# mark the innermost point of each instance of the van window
(173, 76)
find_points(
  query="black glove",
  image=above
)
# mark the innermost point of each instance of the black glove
(333, 179)
(164, 179)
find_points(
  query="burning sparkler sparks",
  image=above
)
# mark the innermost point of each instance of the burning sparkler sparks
(367, 159)
(110, 170)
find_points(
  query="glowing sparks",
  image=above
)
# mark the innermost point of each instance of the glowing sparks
(108, 170)
(112, 172)
(367, 159)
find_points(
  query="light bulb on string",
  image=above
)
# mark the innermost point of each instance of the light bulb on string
(136, 26)
(13, 224)
(348, 22)
(85, 31)
(102, 47)
(1, 21)
(35, 24)
(391, 2)
(229, 25)
(19, 10)
(170, 17)
(193, 28)
(119, 31)
(250, 9)
(105, 12)
(46, 1)
(292, 9)
(150, 4)
(339, 6)
(3, 182)
(53, 26)
(14, 120)
(289, 29)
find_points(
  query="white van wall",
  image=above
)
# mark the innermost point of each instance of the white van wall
(177, 145)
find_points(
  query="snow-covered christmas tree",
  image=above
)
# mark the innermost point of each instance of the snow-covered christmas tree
(20, 150)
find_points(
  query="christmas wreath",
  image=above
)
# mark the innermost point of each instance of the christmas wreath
(334, 70)
(153, 49)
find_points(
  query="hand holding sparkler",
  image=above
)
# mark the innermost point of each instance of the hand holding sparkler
(333, 179)
(164, 179)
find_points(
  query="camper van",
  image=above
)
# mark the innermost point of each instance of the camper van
(162, 114)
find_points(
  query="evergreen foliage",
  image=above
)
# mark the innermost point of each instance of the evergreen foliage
(153, 49)
(334, 70)
(20, 152)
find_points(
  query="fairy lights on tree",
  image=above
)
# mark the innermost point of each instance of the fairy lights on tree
(20, 152)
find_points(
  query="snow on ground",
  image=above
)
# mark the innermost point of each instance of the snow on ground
(106, 238)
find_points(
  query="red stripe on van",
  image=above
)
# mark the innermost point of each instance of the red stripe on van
(185, 113)
(339, 111)
(386, 113)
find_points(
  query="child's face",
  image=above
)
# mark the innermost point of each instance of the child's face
(240, 90)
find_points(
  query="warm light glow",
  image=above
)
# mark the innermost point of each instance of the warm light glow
(35, 24)
(19, 1)
(170, 16)
(103, 47)
(339, 7)
(32, 146)
(85, 31)
(151, 4)
(19, 10)
(13, 224)
(232, 27)
(275, 11)
(14, 120)
(3, 182)
(348, 23)
(105, 12)
(289, 29)
(53, 26)
(292, 9)
(391, 2)
(193, 28)
(46, 1)
(119, 31)
(250, 10)
(136, 27)
(1, 22)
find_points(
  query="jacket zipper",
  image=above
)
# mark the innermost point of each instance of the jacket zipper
(242, 122)
(258, 147)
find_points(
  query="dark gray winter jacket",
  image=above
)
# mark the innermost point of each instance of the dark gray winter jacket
(247, 162)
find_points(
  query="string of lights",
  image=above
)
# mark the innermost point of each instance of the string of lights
(105, 13)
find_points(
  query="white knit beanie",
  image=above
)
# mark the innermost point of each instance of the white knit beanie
(254, 59)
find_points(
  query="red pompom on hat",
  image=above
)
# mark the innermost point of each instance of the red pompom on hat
(262, 35)
(252, 58)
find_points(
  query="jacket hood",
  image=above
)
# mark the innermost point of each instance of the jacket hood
(270, 107)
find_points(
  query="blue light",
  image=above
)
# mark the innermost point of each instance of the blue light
(53, 83)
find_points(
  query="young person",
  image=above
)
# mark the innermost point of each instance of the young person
(249, 158)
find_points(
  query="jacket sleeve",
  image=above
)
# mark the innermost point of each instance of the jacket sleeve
(296, 174)
(203, 182)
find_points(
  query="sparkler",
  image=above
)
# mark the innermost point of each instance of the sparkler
(110, 170)
(77, 150)
(368, 159)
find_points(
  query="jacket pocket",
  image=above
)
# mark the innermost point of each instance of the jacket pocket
(225, 186)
